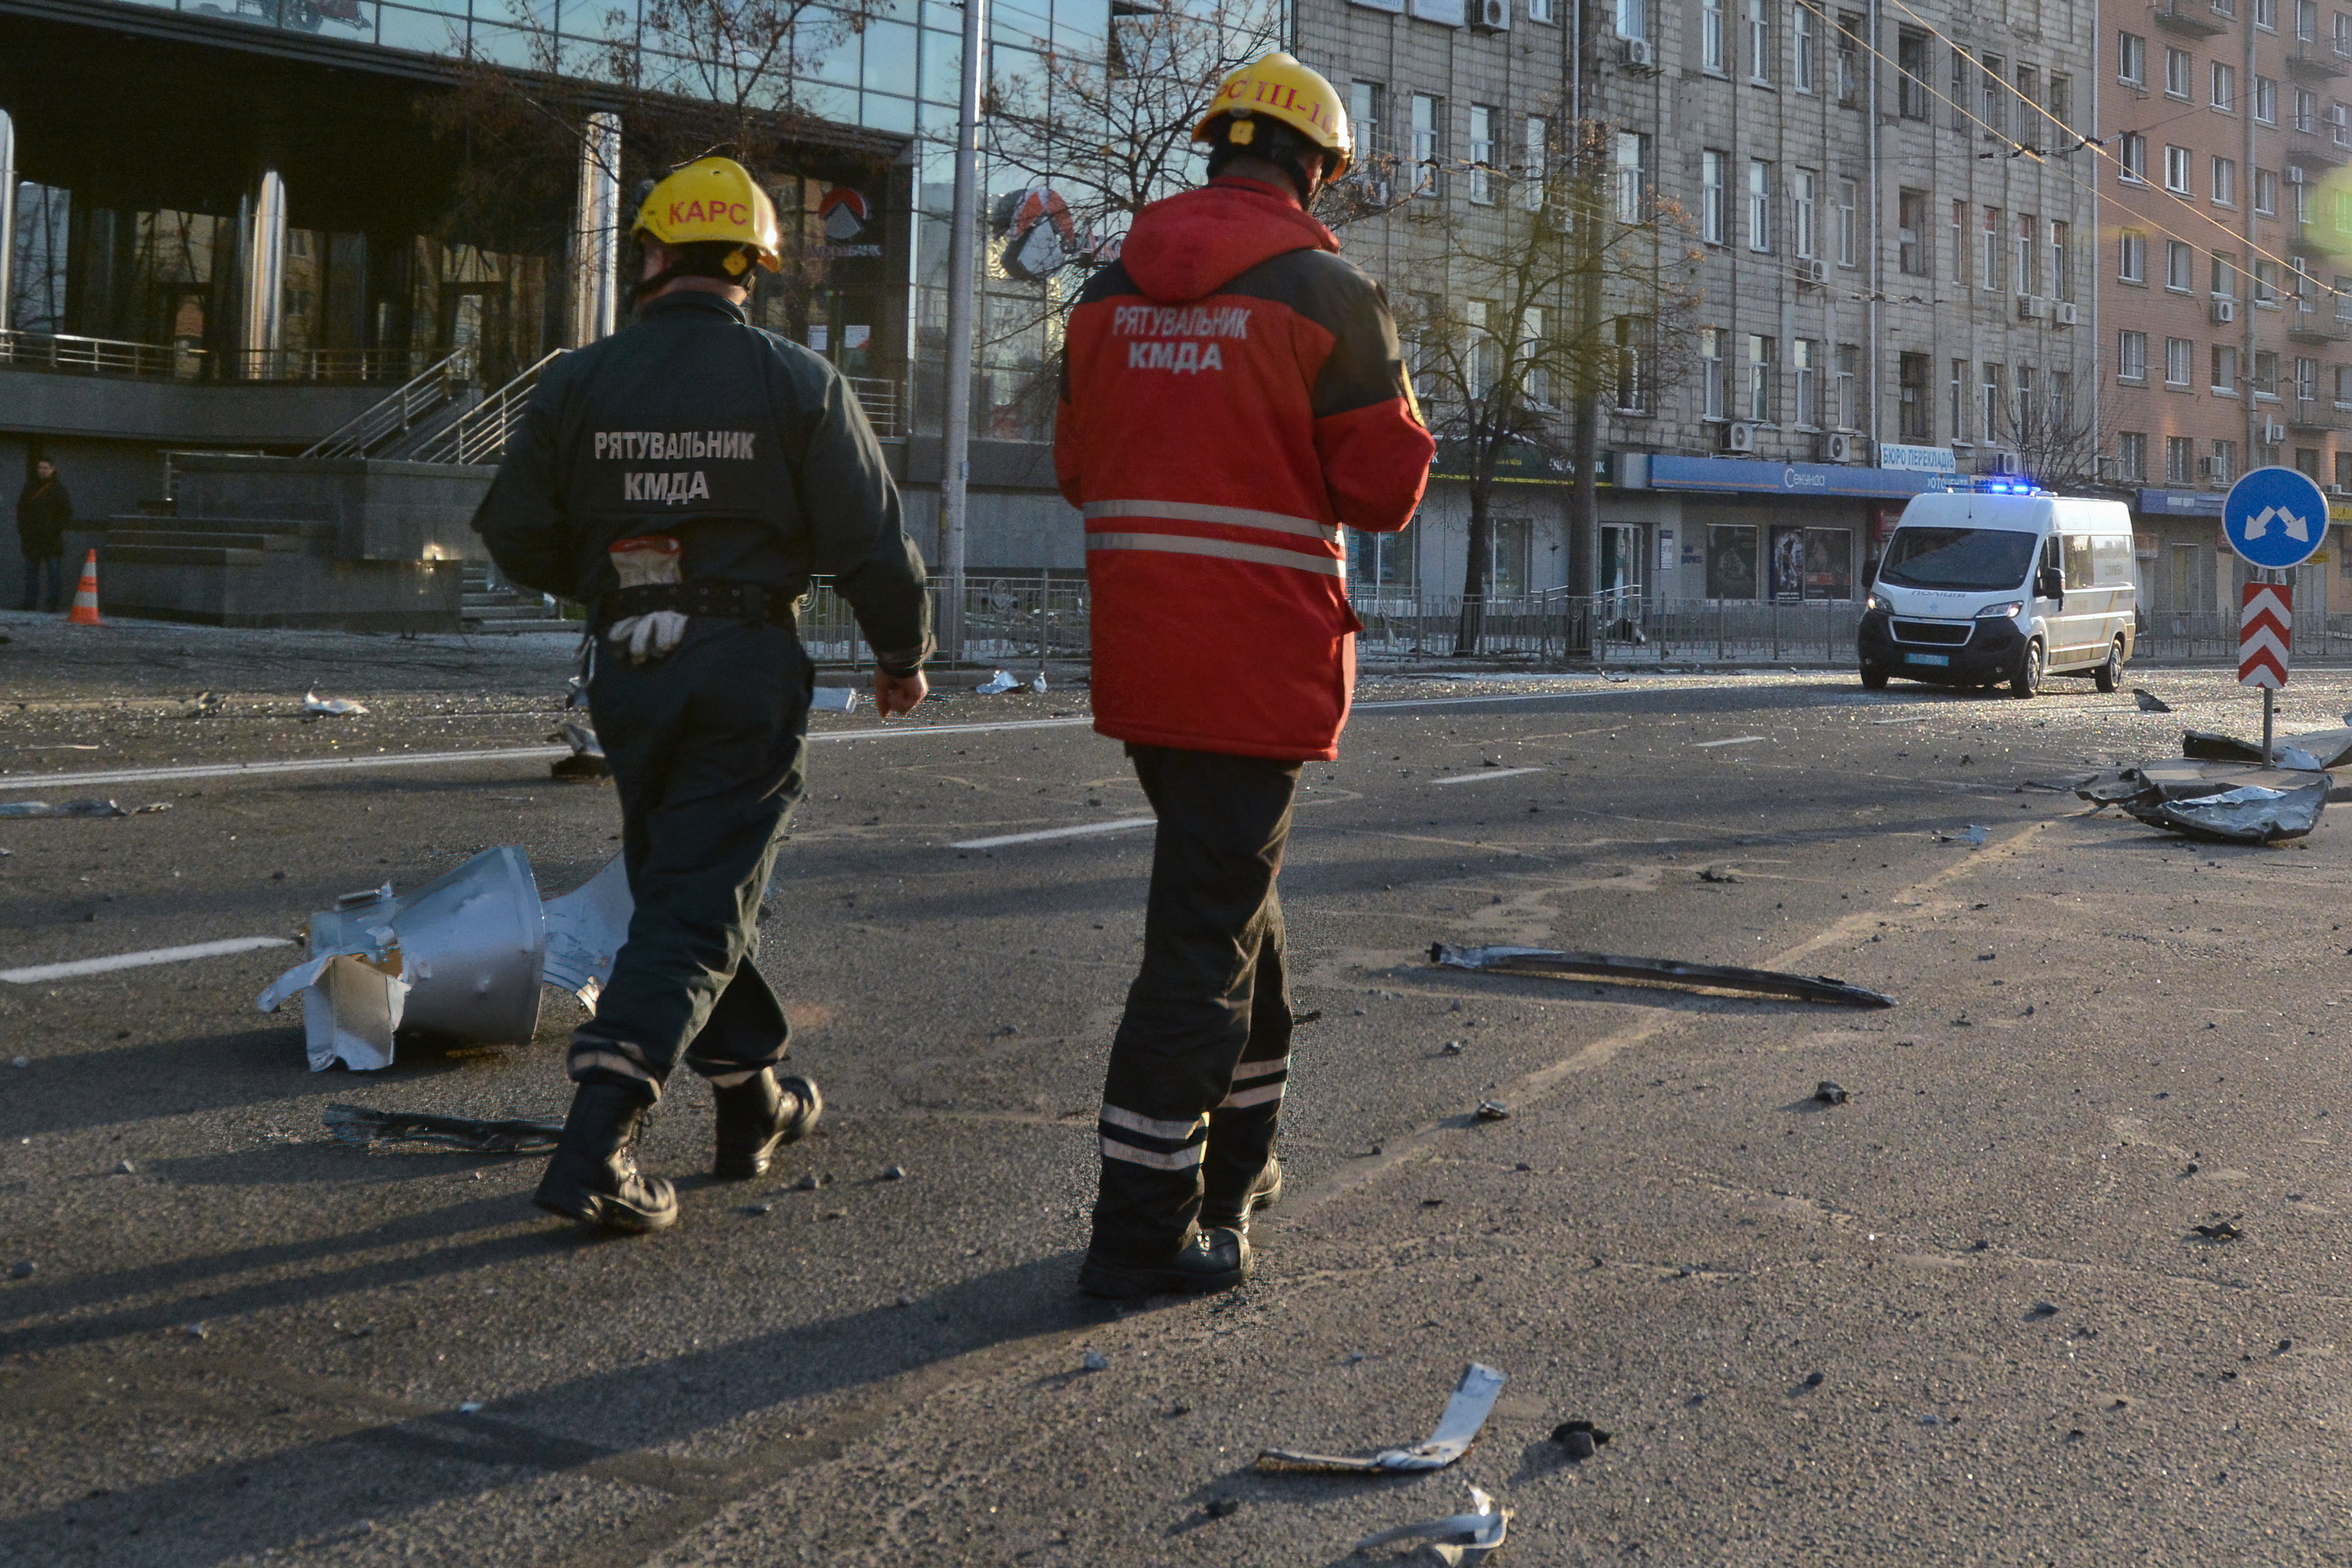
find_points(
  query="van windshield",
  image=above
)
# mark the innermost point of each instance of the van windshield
(1959, 560)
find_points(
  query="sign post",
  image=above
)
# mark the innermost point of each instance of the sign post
(2276, 519)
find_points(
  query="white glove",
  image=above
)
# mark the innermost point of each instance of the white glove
(650, 636)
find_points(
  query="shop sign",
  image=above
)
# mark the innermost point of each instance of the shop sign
(1918, 459)
(2180, 503)
(1739, 474)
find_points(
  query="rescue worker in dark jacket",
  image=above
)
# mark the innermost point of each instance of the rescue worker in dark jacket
(1234, 397)
(44, 512)
(685, 476)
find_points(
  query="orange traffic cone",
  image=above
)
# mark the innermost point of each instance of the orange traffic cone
(85, 605)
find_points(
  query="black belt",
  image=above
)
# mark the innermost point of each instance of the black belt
(725, 600)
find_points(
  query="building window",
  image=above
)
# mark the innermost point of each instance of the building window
(2131, 59)
(2265, 101)
(1713, 219)
(1711, 38)
(1428, 143)
(1368, 115)
(1959, 242)
(1536, 175)
(2225, 461)
(1911, 86)
(2225, 86)
(1633, 172)
(1731, 559)
(1955, 400)
(1761, 352)
(2306, 462)
(1996, 400)
(1710, 354)
(2179, 266)
(1481, 153)
(2224, 275)
(2343, 35)
(1801, 361)
(2026, 254)
(2131, 157)
(2265, 375)
(1989, 249)
(1847, 244)
(1759, 205)
(1848, 412)
(2062, 259)
(2266, 191)
(2022, 420)
(1993, 95)
(2131, 455)
(1911, 373)
(1957, 99)
(2306, 112)
(2177, 69)
(2307, 380)
(2266, 277)
(2176, 170)
(2344, 387)
(2225, 372)
(1802, 184)
(1849, 61)
(2179, 459)
(2344, 482)
(2265, 15)
(1806, 54)
(2062, 101)
(2180, 361)
(2225, 181)
(2131, 356)
(1632, 392)
(1759, 40)
(1911, 232)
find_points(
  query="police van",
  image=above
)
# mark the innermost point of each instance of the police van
(2002, 584)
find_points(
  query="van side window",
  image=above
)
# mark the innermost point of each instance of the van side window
(2050, 557)
(2078, 561)
(2111, 557)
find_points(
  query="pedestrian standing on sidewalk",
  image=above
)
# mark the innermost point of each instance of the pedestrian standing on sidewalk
(1233, 396)
(685, 476)
(44, 512)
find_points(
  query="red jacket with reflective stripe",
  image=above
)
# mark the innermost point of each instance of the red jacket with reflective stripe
(1233, 395)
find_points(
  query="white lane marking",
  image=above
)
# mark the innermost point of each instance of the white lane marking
(1485, 774)
(548, 754)
(38, 972)
(1085, 830)
(1734, 741)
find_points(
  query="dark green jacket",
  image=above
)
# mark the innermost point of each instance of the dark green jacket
(44, 512)
(749, 449)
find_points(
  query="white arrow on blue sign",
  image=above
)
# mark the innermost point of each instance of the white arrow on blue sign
(2275, 518)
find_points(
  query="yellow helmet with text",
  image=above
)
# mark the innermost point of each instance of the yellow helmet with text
(1276, 86)
(714, 200)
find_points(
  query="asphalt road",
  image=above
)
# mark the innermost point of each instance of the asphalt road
(241, 1342)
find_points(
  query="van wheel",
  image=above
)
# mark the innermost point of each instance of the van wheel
(2110, 675)
(2027, 681)
(1872, 677)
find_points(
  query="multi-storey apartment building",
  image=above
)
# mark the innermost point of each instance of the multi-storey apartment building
(2225, 294)
(1896, 206)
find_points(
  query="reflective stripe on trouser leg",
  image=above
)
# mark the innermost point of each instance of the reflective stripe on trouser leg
(596, 1057)
(1244, 1125)
(1190, 1013)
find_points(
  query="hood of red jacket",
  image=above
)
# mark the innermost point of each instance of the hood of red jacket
(1189, 247)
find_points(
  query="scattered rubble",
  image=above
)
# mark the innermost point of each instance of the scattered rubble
(1581, 1438)
(1493, 1110)
(1457, 1429)
(1095, 1361)
(833, 699)
(2219, 1230)
(330, 706)
(1553, 964)
(1973, 836)
(359, 1125)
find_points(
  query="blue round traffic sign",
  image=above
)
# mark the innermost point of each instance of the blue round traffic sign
(2275, 518)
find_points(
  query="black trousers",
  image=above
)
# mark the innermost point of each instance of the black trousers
(1193, 1095)
(709, 751)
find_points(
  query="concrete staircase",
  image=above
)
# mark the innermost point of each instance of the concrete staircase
(492, 607)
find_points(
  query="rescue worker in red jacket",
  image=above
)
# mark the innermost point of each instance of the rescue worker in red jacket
(1234, 396)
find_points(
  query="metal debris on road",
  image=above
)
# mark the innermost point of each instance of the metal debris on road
(997, 685)
(1457, 1429)
(1581, 1438)
(1720, 874)
(833, 699)
(1830, 1093)
(585, 929)
(1973, 836)
(90, 807)
(1493, 1110)
(1095, 1361)
(1459, 1539)
(356, 1125)
(330, 706)
(587, 758)
(2319, 749)
(2150, 702)
(1223, 1508)
(1550, 963)
(2221, 803)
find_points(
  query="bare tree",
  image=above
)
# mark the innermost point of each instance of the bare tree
(2058, 437)
(1567, 289)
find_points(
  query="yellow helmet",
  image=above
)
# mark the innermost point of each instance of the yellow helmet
(1277, 86)
(713, 200)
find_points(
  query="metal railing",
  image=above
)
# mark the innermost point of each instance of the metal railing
(884, 402)
(100, 356)
(1018, 622)
(338, 366)
(479, 434)
(424, 394)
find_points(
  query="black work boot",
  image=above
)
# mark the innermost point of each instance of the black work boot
(1208, 1261)
(1221, 1213)
(593, 1175)
(758, 1115)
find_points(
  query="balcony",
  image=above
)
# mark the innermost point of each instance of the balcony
(2327, 152)
(2185, 18)
(2317, 62)
(100, 356)
(2312, 418)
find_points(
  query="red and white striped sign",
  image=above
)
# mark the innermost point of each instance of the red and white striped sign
(2264, 622)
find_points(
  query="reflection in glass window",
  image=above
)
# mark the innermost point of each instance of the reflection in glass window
(1730, 562)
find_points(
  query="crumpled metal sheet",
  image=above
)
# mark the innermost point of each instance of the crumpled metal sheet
(352, 1005)
(1463, 1538)
(2305, 753)
(587, 758)
(2246, 813)
(90, 807)
(358, 1124)
(1548, 962)
(585, 929)
(1457, 1429)
(330, 706)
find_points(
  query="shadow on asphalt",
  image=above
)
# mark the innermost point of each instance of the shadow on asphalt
(318, 1488)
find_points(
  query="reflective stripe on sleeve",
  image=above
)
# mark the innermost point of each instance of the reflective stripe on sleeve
(1181, 544)
(1180, 1160)
(1176, 1131)
(1233, 516)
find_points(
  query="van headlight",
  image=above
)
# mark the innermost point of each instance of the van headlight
(2007, 612)
(1875, 602)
